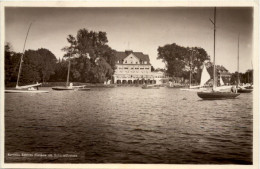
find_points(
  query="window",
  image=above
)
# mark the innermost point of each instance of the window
(136, 62)
(136, 68)
(126, 61)
(126, 67)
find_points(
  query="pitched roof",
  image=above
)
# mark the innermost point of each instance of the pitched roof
(122, 55)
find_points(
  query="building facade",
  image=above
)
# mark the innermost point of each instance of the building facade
(135, 68)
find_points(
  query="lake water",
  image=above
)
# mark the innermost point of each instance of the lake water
(129, 125)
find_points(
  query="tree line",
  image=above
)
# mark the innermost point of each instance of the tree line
(37, 65)
(246, 77)
(180, 61)
(93, 61)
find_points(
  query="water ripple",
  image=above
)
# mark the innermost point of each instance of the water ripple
(131, 125)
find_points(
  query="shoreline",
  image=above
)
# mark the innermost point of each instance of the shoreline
(94, 85)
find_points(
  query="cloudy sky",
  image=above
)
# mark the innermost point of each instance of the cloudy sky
(139, 29)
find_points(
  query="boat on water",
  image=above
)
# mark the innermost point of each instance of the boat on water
(242, 88)
(249, 87)
(204, 79)
(59, 88)
(215, 94)
(25, 91)
(245, 89)
(34, 88)
(174, 85)
(69, 86)
(81, 88)
(150, 87)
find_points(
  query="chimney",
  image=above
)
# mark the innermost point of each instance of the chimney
(128, 52)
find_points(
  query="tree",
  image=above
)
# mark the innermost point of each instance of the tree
(92, 60)
(246, 77)
(181, 60)
(40, 64)
(47, 64)
(8, 62)
(60, 71)
(37, 66)
(173, 56)
(12, 61)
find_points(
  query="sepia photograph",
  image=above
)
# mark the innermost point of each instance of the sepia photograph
(146, 84)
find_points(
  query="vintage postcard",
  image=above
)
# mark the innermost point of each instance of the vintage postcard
(124, 84)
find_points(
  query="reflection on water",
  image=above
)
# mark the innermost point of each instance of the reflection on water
(131, 125)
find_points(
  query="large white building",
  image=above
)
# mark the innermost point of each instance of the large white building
(135, 68)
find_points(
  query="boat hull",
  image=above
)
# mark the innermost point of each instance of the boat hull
(61, 88)
(217, 95)
(26, 91)
(150, 87)
(244, 90)
(174, 87)
(249, 87)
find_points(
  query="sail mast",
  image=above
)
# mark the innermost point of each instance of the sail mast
(252, 71)
(190, 67)
(238, 62)
(68, 76)
(21, 61)
(214, 68)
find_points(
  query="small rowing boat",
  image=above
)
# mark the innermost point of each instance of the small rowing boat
(150, 87)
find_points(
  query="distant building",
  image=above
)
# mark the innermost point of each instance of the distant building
(160, 76)
(135, 68)
(224, 74)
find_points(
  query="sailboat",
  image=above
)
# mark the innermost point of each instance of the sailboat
(205, 77)
(244, 89)
(240, 88)
(34, 88)
(214, 94)
(69, 86)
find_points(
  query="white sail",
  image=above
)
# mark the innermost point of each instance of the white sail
(204, 76)
(221, 81)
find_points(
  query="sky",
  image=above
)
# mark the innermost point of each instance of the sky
(139, 29)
